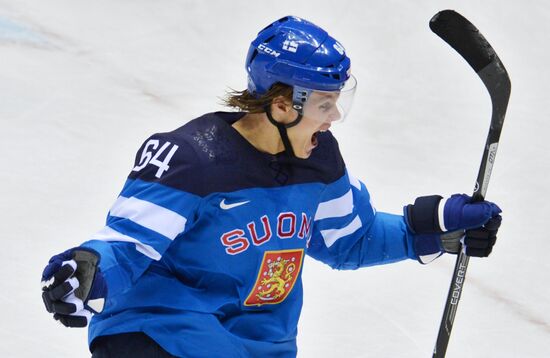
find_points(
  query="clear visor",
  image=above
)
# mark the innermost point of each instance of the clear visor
(325, 106)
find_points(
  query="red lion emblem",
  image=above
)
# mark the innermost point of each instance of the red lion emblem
(276, 278)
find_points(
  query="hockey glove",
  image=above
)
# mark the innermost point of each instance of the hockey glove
(73, 287)
(443, 225)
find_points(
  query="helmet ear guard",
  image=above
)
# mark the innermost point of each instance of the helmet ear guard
(299, 98)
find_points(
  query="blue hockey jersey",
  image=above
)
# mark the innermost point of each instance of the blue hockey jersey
(203, 249)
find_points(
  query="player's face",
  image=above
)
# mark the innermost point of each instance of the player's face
(319, 112)
(321, 107)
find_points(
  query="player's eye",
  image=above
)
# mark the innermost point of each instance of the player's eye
(325, 107)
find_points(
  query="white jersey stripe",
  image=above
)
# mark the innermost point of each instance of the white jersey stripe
(354, 181)
(332, 235)
(154, 217)
(335, 208)
(108, 234)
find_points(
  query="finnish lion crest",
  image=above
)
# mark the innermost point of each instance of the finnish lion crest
(278, 273)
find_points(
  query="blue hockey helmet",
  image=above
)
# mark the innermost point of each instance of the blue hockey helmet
(296, 52)
(300, 54)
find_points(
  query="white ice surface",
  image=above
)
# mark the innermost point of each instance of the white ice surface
(83, 83)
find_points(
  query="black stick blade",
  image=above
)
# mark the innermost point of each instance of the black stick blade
(464, 37)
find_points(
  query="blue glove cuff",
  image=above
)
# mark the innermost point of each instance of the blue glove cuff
(427, 247)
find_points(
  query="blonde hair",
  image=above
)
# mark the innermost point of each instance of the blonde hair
(245, 101)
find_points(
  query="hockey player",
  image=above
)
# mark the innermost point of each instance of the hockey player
(202, 252)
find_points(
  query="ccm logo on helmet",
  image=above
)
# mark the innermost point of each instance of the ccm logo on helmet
(268, 50)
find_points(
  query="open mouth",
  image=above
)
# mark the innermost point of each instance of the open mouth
(314, 141)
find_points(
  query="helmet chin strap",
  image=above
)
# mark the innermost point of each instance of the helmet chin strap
(282, 130)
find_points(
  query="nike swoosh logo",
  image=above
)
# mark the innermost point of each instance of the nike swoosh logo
(225, 206)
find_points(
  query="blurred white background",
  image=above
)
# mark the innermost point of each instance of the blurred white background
(83, 83)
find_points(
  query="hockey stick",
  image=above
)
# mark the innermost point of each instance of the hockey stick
(466, 39)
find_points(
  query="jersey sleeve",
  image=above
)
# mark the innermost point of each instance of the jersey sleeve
(349, 233)
(148, 215)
